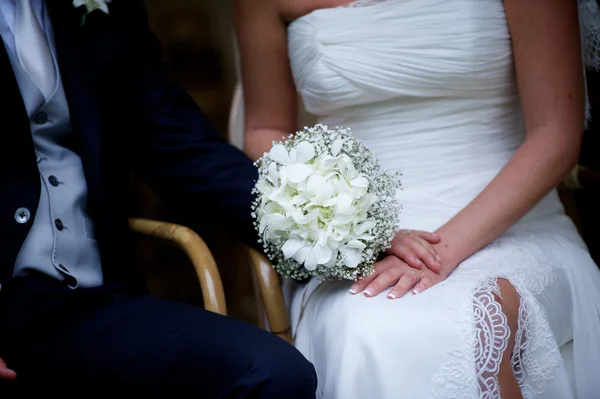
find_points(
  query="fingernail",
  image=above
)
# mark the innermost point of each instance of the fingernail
(391, 295)
(415, 292)
(438, 258)
(367, 292)
(354, 289)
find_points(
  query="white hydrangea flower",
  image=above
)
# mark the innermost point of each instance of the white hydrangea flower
(323, 207)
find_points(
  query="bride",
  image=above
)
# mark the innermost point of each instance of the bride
(488, 291)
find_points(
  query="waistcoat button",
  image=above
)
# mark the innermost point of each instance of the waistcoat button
(40, 118)
(22, 215)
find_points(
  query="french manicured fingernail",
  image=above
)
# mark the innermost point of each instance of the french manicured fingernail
(354, 289)
(391, 295)
(367, 292)
(415, 291)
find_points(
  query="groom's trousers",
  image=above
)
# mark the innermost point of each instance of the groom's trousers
(88, 342)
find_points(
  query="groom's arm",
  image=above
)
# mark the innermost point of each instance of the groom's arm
(181, 155)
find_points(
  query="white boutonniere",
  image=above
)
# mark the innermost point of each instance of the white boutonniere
(91, 6)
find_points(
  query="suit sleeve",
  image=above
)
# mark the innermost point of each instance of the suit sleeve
(182, 156)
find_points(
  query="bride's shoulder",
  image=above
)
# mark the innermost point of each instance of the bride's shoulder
(294, 9)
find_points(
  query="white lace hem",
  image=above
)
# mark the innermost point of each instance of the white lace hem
(535, 356)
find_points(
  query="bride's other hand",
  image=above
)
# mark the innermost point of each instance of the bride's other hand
(394, 272)
(416, 248)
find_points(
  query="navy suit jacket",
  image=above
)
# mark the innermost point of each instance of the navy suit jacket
(126, 114)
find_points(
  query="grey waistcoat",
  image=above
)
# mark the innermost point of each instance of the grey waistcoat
(61, 241)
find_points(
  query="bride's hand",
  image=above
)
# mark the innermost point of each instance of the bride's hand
(416, 249)
(394, 272)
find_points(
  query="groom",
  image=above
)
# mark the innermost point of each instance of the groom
(86, 98)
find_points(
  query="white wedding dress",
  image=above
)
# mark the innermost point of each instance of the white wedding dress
(429, 86)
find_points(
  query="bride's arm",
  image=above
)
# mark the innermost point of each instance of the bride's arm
(269, 92)
(549, 70)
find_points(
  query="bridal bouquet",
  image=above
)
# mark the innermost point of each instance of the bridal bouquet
(323, 206)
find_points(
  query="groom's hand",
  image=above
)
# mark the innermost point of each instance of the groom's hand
(416, 249)
(5, 372)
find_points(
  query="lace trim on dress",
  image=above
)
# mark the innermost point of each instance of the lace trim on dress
(535, 356)
(534, 345)
(589, 21)
(492, 335)
(484, 348)
(362, 3)
(589, 25)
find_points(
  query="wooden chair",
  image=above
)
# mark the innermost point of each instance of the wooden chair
(197, 251)
(273, 314)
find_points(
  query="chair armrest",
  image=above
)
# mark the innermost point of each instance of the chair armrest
(198, 252)
(271, 295)
(582, 177)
